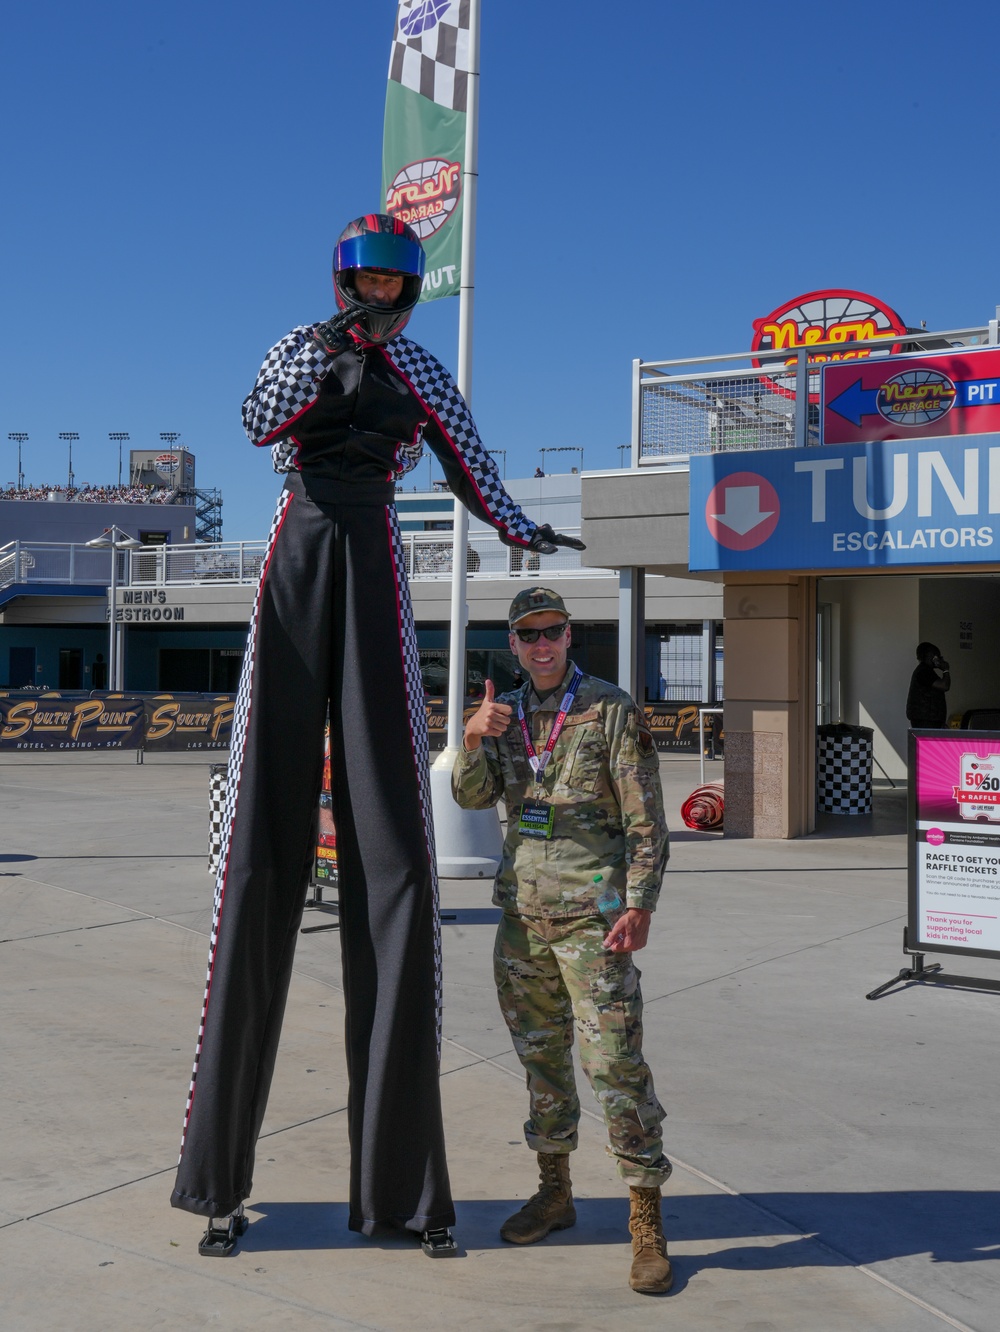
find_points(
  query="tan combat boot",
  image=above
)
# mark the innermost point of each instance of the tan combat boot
(651, 1272)
(551, 1208)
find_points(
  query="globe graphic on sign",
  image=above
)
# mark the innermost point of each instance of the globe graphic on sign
(428, 205)
(826, 310)
(423, 17)
(916, 397)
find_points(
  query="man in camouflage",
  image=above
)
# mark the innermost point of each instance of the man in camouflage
(583, 860)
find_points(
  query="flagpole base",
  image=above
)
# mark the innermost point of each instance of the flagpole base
(469, 841)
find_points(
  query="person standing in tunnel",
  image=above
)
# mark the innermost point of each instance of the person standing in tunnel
(926, 705)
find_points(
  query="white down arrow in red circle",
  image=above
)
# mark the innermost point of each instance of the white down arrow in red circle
(742, 510)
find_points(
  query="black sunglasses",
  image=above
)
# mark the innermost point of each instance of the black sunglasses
(553, 632)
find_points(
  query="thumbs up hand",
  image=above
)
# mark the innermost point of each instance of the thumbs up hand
(490, 718)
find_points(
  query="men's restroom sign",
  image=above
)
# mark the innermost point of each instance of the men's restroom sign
(742, 510)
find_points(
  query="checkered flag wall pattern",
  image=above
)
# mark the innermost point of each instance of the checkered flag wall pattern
(843, 774)
(430, 50)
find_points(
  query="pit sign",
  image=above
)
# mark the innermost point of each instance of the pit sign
(911, 397)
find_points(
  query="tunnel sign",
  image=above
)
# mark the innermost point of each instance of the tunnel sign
(891, 504)
(911, 397)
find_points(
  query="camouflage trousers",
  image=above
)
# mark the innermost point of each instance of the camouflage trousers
(551, 974)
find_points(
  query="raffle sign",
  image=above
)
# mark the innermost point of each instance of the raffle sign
(954, 859)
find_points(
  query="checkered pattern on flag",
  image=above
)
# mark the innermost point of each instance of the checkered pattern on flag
(423, 145)
(430, 50)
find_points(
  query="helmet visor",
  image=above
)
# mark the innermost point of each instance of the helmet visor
(376, 250)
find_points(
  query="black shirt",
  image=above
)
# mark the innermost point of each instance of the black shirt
(925, 705)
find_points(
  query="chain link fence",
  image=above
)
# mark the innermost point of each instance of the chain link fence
(715, 413)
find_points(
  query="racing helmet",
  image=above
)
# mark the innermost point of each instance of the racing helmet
(384, 243)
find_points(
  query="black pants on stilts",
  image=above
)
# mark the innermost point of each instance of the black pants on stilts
(332, 623)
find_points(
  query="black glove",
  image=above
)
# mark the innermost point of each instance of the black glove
(545, 541)
(332, 335)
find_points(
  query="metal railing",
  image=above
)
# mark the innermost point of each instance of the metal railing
(52, 562)
(724, 406)
(427, 555)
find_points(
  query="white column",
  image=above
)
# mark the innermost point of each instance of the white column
(632, 632)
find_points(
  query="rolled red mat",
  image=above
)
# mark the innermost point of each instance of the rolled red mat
(703, 808)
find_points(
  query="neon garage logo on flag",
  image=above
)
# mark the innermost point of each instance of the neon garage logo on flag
(423, 17)
(425, 194)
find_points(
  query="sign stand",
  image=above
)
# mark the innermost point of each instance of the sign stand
(953, 855)
(932, 975)
(316, 903)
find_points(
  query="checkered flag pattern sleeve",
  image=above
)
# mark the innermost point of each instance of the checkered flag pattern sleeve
(452, 434)
(430, 50)
(288, 383)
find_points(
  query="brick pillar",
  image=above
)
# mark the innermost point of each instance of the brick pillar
(770, 636)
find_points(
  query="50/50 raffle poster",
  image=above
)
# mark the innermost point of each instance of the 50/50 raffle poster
(955, 842)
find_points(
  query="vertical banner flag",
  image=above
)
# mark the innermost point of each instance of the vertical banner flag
(423, 146)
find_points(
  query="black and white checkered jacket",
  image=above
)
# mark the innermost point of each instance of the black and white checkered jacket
(364, 415)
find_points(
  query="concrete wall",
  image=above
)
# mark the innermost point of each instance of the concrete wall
(948, 604)
(770, 703)
(58, 520)
(636, 518)
(879, 630)
(882, 619)
(668, 600)
(47, 642)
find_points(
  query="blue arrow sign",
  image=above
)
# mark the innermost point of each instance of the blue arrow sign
(856, 402)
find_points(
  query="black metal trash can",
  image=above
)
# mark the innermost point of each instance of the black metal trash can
(844, 769)
(216, 804)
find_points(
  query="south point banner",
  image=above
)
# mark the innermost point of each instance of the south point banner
(423, 147)
(151, 722)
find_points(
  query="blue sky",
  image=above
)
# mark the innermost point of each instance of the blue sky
(654, 176)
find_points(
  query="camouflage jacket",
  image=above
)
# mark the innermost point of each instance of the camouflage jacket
(604, 782)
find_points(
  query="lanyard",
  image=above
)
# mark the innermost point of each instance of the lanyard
(539, 761)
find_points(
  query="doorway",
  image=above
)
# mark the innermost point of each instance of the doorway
(70, 668)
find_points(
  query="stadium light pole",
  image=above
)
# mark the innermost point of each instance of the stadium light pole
(118, 437)
(501, 453)
(561, 448)
(19, 437)
(113, 539)
(69, 436)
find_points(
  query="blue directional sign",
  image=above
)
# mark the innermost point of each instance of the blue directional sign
(935, 501)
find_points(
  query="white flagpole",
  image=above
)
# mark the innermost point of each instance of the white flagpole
(469, 842)
(459, 577)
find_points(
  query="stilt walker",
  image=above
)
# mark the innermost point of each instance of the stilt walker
(345, 407)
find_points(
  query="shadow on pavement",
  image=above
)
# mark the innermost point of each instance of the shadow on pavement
(952, 1226)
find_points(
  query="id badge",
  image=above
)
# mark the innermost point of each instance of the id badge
(536, 819)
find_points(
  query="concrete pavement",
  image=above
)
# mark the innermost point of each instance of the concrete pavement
(834, 1156)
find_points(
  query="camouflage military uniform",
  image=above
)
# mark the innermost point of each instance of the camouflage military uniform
(550, 963)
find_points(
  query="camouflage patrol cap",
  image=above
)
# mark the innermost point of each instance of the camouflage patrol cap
(532, 600)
